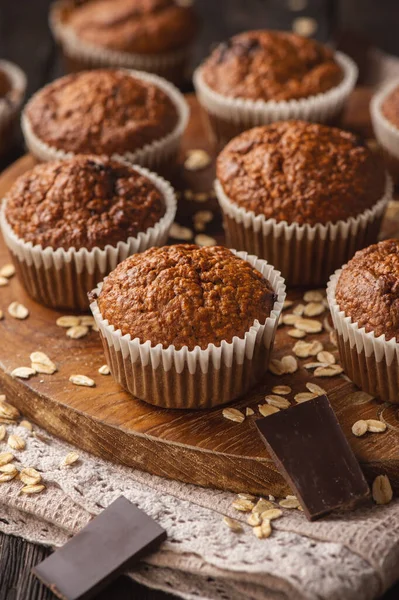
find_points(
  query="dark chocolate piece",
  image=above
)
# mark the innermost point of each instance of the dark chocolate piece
(119, 536)
(308, 446)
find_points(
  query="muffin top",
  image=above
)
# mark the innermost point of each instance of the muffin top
(301, 173)
(82, 202)
(390, 107)
(104, 111)
(185, 295)
(368, 289)
(5, 84)
(271, 65)
(137, 26)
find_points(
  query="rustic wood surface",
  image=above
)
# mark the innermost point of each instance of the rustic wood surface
(193, 446)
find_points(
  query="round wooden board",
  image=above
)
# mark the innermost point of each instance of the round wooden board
(195, 447)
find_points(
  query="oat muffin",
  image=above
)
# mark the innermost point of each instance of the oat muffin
(68, 223)
(150, 35)
(111, 112)
(364, 300)
(302, 190)
(384, 109)
(188, 327)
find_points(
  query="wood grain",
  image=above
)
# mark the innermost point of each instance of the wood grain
(196, 447)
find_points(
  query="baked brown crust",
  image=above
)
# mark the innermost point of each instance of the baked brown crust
(186, 296)
(5, 84)
(105, 111)
(271, 65)
(301, 172)
(137, 26)
(368, 289)
(82, 202)
(390, 107)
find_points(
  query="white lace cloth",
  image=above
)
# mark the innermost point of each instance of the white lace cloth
(346, 556)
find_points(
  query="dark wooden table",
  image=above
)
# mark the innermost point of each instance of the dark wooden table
(25, 39)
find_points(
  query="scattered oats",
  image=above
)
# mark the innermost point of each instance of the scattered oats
(23, 372)
(250, 497)
(266, 410)
(287, 304)
(296, 333)
(263, 531)
(104, 370)
(233, 414)
(181, 233)
(297, 5)
(70, 459)
(299, 310)
(9, 474)
(314, 365)
(26, 425)
(46, 369)
(188, 194)
(3, 281)
(281, 390)
(315, 389)
(304, 26)
(7, 271)
(249, 411)
(326, 324)
(375, 426)
(313, 309)
(272, 513)
(77, 331)
(262, 505)
(290, 319)
(304, 397)
(254, 519)
(359, 428)
(33, 489)
(3, 432)
(300, 508)
(276, 367)
(203, 216)
(8, 411)
(277, 401)
(313, 296)
(8, 468)
(232, 524)
(15, 442)
(201, 197)
(289, 364)
(289, 503)
(333, 338)
(243, 505)
(204, 240)
(87, 320)
(358, 398)
(5, 458)
(95, 327)
(41, 363)
(18, 310)
(328, 371)
(82, 380)
(68, 321)
(309, 325)
(306, 349)
(382, 490)
(29, 476)
(272, 498)
(326, 357)
(197, 160)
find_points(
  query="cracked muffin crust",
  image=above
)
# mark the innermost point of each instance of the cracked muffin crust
(185, 295)
(105, 111)
(271, 65)
(368, 289)
(82, 202)
(301, 173)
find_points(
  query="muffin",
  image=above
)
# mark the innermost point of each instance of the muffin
(188, 327)
(148, 35)
(259, 77)
(121, 113)
(302, 196)
(68, 223)
(384, 109)
(12, 91)
(364, 302)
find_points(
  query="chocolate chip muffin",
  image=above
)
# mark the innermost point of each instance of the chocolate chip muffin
(185, 295)
(150, 35)
(68, 223)
(301, 173)
(188, 327)
(384, 110)
(303, 196)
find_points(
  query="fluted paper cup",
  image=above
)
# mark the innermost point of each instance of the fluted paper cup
(158, 155)
(81, 55)
(61, 278)
(10, 106)
(305, 255)
(230, 116)
(371, 362)
(193, 379)
(386, 133)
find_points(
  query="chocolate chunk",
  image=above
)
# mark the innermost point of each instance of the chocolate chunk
(111, 542)
(308, 446)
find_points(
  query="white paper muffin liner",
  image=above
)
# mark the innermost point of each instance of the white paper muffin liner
(83, 55)
(371, 362)
(62, 278)
(10, 106)
(155, 155)
(305, 255)
(196, 378)
(386, 133)
(230, 116)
